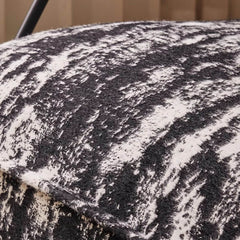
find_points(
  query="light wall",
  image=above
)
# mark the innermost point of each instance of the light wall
(63, 13)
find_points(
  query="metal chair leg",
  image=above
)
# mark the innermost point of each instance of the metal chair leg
(32, 18)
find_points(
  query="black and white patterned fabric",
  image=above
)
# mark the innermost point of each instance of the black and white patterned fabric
(121, 131)
(30, 214)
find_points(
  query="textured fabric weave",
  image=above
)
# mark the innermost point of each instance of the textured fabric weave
(135, 125)
(29, 214)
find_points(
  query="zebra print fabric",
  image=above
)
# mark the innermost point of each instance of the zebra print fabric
(134, 125)
(30, 214)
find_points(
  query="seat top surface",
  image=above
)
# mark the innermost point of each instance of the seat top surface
(135, 124)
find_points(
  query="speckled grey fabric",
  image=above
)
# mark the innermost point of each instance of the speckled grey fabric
(134, 125)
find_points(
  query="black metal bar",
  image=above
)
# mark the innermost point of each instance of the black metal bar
(32, 18)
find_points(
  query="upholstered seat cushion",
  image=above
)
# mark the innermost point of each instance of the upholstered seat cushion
(134, 126)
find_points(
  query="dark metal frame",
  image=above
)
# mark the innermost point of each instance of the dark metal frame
(32, 18)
